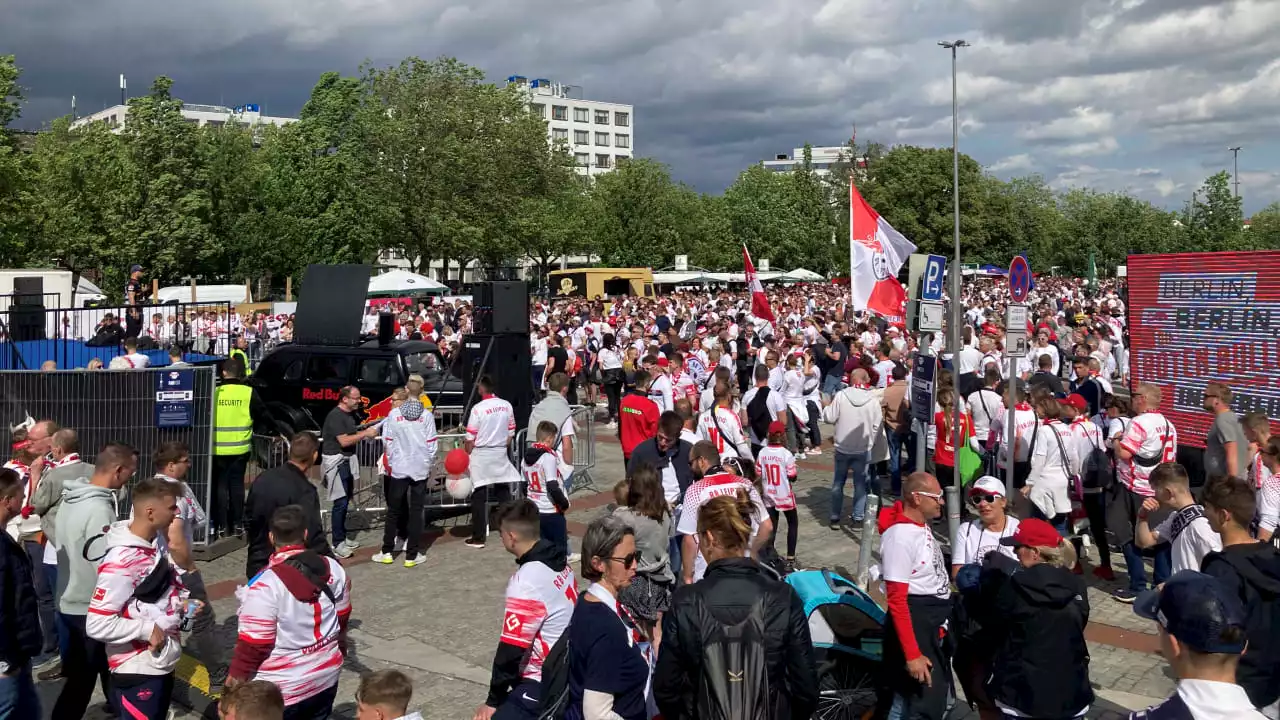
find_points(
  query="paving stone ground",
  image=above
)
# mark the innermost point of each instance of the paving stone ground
(439, 622)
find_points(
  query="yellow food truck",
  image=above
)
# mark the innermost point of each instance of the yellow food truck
(592, 283)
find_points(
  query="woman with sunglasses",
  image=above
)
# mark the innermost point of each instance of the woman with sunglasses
(647, 513)
(609, 658)
(1036, 610)
(733, 588)
(974, 649)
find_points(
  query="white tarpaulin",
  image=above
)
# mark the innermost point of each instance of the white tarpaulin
(403, 281)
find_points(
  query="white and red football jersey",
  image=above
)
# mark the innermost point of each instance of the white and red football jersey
(539, 604)
(1150, 435)
(702, 492)
(305, 656)
(778, 470)
(683, 385)
(549, 467)
(123, 622)
(731, 439)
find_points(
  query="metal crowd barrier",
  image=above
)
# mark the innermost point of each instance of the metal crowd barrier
(368, 504)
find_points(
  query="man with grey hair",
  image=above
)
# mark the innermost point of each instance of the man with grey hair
(1149, 440)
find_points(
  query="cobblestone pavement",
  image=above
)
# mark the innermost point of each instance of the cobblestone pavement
(439, 622)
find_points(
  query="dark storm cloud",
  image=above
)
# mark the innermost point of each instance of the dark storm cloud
(1084, 91)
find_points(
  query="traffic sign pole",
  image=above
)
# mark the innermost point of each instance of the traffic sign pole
(1019, 287)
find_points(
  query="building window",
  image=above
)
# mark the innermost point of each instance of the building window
(622, 119)
(559, 112)
(602, 139)
(602, 161)
(581, 137)
(215, 123)
(581, 115)
(581, 159)
(538, 109)
(560, 134)
(623, 141)
(602, 117)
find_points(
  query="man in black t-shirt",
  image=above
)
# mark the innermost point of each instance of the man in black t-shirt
(340, 436)
(837, 354)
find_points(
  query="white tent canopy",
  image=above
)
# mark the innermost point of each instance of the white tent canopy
(403, 282)
(697, 277)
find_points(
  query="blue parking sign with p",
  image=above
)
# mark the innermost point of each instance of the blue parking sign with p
(934, 277)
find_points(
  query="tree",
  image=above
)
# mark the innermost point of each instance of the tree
(14, 170)
(1264, 228)
(167, 224)
(641, 215)
(1215, 218)
(81, 192)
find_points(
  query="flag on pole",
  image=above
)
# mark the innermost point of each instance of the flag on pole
(123, 86)
(876, 254)
(759, 303)
(1092, 277)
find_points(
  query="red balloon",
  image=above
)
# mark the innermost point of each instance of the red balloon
(457, 461)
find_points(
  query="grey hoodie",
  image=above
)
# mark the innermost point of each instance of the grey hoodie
(48, 496)
(859, 422)
(87, 512)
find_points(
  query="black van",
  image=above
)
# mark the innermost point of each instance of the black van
(300, 383)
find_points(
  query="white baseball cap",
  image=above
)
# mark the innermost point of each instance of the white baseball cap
(987, 484)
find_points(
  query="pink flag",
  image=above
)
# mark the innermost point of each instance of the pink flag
(759, 303)
(876, 254)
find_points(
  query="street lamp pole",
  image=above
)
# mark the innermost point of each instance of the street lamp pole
(1235, 160)
(956, 273)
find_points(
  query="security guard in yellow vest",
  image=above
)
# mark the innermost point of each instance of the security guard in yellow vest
(239, 352)
(236, 409)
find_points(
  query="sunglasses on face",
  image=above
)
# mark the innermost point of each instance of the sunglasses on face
(627, 561)
(935, 496)
(979, 498)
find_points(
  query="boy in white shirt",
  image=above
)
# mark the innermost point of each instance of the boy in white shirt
(777, 473)
(1187, 529)
(544, 471)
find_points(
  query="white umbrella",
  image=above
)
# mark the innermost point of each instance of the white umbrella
(801, 275)
(403, 281)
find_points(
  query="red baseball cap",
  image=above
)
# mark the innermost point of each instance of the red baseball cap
(1077, 401)
(662, 361)
(1033, 532)
(777, 426)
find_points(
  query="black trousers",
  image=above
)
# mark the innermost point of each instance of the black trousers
(613, 391)
(480, 499)
(228, 492)
(85, 663)
(405, 502)
(793, 528)
(1095, 506)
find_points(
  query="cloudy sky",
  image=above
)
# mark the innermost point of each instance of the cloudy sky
(1139, 95)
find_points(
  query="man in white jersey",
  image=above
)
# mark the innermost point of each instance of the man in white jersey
(409, 438)
(917, 677)
(540, 598)
(1149, 440)
(986, 406)
(711, 481)
(489, 428)
(721, 426)
(293, 621)
(661, 390)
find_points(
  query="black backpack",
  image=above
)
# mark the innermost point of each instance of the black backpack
(1098, 472)
(734, 682)
(758, 415)
(555, 680)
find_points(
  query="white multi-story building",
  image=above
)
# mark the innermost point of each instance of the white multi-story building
(823, 159)
(598, 134)
(200, 115)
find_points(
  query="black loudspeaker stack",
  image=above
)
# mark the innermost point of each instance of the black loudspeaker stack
(499, 346)
(501, 306)
(386, 328)
(27, 314)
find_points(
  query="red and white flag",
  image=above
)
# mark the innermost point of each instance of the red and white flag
(876, 254)
(759, 303)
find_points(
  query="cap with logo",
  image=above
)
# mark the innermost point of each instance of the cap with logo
(987, 484)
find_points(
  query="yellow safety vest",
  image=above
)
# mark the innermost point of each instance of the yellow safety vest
(243, 358)
(233, 425)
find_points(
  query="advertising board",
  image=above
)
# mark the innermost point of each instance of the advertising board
(1200, 317)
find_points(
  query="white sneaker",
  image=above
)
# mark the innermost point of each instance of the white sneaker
(415, 561)
(399, 544)
(814, 451)
(343, 551)
(383, 558)
(799, 456)
(573, 557)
